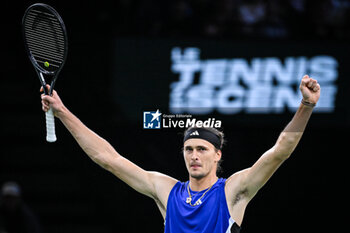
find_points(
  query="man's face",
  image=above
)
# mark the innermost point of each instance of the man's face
(200, 157)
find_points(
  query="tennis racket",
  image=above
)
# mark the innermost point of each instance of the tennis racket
(45, 39)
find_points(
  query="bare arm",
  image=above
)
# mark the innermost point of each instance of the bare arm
(152, 184)
(256, 176)
(253, 178)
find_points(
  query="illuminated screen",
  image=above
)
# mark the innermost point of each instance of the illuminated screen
(227, 79)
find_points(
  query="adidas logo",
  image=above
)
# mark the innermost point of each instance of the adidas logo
(194, 133)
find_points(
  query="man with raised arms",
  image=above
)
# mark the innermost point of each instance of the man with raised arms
(205, 203)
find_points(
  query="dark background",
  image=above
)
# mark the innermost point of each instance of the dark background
(70, 193)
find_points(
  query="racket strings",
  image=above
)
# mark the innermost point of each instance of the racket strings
(45, 38)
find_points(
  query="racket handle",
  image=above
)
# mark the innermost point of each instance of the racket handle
(50, 126)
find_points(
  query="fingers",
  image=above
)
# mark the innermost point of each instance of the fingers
(47, 88)
(304, 81)
(310, 83)
(48, 101)
(54, 93)
(317, 87)
(313, 85)
(45, 105)
(45, 102)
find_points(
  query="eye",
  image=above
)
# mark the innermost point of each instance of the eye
(201, 148)
(188, 149)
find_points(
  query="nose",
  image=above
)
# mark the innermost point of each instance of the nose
(195, 155)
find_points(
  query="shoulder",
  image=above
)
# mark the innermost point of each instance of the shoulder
(164, 179)
(237, 178)
(162, 184)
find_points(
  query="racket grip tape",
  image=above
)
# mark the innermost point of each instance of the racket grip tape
(50, 126)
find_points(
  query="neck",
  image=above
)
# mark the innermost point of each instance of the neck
(202, 183)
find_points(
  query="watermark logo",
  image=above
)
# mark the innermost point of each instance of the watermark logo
(157, 120)
(152, 120)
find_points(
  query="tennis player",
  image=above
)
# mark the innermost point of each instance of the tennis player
(205, 203)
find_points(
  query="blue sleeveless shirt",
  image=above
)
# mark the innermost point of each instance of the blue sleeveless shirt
(211, 216)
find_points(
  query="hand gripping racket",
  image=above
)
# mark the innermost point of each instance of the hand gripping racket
(45, 39)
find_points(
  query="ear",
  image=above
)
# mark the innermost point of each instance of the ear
(218, 155)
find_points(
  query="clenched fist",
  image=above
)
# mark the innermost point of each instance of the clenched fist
(310, 89)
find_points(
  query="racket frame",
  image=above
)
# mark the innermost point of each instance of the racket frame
(41, 72)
